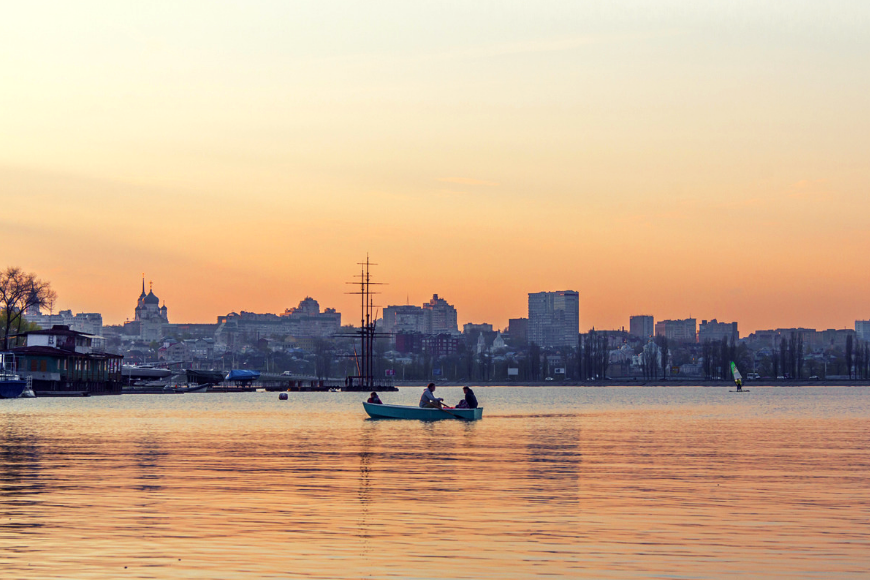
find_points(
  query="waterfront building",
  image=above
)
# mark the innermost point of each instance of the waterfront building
(717, 331)
(678, 330)
(554, 318)
(642, 326)
(60, 359)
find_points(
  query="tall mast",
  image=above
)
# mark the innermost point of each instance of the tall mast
(368, 327)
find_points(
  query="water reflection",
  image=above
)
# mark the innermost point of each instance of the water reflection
(568, 484)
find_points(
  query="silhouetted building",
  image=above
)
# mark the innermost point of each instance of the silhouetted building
(518, 330)
(441, 316)
(642, 326)
(554, 318)
(717, 331)
(471, 328)
(678, 330)
(150, 318)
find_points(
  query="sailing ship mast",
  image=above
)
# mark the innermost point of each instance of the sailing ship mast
(367, 333)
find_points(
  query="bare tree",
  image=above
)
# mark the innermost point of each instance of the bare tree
(20, 291)
(662, 342)
(849, 355)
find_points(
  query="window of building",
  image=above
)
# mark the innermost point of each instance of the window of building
(43, 365)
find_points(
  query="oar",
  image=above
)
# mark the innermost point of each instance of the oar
(453, 415)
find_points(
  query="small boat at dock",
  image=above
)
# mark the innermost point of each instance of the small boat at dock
(421, 413)
(11, 385)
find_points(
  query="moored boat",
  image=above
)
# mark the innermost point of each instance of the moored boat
(11, 385)
(421, 413)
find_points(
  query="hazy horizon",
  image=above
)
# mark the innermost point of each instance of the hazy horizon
(663, 158)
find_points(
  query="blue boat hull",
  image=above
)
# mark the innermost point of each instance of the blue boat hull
(11, 389)
(421, 414)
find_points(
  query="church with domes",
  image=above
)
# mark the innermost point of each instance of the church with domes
(150, 315)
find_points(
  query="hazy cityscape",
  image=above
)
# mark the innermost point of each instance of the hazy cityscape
(424, 342)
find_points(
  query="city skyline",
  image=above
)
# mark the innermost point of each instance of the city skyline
(348, 316)
(667, 157)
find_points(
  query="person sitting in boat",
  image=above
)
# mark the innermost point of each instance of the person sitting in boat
(470, 401)
(375, 399)
(429, 399)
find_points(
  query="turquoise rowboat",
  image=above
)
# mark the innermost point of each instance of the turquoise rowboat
(419, 413)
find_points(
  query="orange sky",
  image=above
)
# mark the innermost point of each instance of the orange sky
(657, 157)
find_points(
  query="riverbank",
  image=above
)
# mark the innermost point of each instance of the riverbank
(627, 382)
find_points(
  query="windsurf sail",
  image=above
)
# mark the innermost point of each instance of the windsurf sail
(738, 378)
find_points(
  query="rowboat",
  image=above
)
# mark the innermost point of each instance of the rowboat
(420, 413)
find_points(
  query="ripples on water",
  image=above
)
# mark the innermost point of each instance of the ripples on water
(554, 482)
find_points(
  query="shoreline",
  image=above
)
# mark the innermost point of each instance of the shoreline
(649, 384)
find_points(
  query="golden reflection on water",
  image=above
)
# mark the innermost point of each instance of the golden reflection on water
(552, 483)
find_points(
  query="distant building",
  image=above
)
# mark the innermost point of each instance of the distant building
(305, 323)
(770, 339)
(862, 329)
(150, 317)
(86, 322)
(470, 328)
(642, 326)
(306, 320)
(405, 318)
(678, 330)
(440, 345)
(518, 330)
(717, 331)
(409, 342)
(434, 317)
(554, 318)
(441, 316)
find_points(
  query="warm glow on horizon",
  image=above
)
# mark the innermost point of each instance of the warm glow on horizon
(663, 158)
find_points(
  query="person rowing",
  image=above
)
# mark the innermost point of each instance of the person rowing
(375, 399)
(428, 399)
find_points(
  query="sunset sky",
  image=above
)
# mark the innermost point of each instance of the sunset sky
(673, 158)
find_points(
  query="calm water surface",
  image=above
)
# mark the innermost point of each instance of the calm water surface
(553, 483)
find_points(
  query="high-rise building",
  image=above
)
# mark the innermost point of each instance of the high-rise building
(518, 330)
(715, 330)
(678, 330)
(554, 318)
(642, 326)
(441, 316)
(862, 329)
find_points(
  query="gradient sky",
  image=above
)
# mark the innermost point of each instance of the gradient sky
(673, 158)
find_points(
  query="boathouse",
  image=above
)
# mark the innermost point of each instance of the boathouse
(59, 361)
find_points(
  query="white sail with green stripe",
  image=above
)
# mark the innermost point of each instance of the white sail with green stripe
(738, 378)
